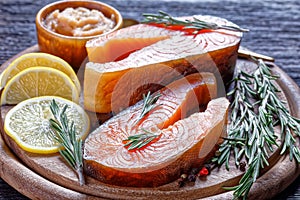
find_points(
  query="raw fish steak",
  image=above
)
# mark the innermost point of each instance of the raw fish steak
(184, 140)
(129, 62)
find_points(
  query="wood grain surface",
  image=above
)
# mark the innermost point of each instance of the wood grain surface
(274, 25)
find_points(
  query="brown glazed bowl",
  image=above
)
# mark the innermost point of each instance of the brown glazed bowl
(70, 48)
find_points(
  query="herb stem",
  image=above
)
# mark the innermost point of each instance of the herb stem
(80, 175)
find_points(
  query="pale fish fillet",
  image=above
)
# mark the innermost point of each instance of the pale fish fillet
(155, 62)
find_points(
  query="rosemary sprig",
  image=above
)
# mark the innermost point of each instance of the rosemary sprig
(256, 110)
(197, 24)
(149, 104)
(65, 133)
(140, 140)
(289, 125)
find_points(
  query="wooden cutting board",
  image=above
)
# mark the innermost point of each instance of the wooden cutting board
(48, 177)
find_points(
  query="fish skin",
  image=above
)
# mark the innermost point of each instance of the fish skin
(155, 165)
(115, 85)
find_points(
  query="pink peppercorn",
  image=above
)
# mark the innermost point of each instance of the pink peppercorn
(203, 172)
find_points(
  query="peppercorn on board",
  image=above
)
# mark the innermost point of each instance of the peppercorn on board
(40, 176)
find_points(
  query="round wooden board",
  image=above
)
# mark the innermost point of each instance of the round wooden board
(36, 180)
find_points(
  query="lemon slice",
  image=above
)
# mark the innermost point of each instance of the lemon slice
(28, 123)
(39, 81)
(38, 59)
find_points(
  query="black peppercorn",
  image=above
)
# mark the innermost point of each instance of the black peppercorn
(194, 171)
(181, 180)
(192, 177)
(242, 166)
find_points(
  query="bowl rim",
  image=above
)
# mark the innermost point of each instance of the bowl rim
(38, 19)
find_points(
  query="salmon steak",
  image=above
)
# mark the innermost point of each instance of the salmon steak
(183, 139)
(129, 62)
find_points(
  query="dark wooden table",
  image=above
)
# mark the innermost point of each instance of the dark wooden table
(274, 25)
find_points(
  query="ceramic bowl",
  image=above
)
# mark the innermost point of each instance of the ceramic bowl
(70, 48)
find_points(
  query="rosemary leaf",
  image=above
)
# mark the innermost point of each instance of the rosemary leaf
(65, 133)
(255, 110)
(140, 140)
(149, 104)
(197, 24)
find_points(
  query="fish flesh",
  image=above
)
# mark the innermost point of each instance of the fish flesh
(112, 47)
(127, 63)
(185, 144)
(185, 138)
